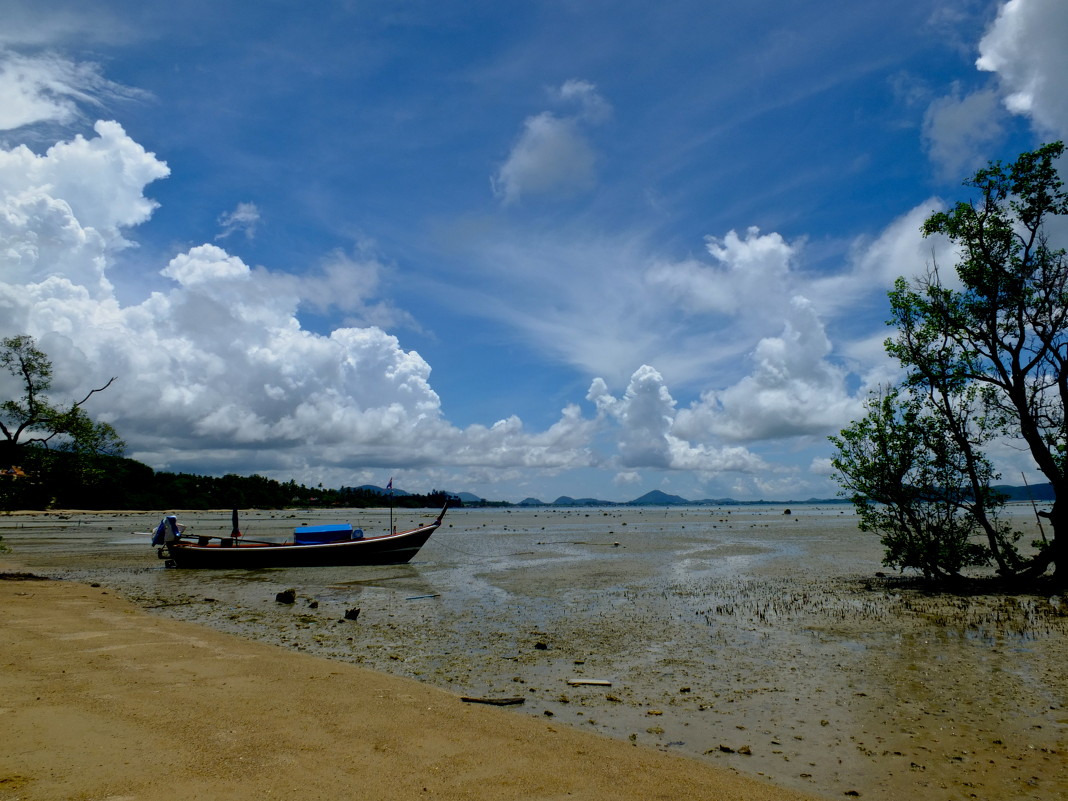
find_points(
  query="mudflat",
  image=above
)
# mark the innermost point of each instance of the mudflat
(100, 700)
(756, 639)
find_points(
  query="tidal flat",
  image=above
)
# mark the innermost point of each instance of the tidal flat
(767, 640)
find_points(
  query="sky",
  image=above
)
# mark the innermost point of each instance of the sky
(517, 249)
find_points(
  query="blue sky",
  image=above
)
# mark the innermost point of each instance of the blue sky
(516, 249)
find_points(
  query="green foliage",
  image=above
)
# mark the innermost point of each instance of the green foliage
(35, 430)
(984, 363)
(903, 475)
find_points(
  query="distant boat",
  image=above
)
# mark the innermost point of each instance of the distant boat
(312, 546)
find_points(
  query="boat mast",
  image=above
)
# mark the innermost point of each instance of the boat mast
(389, 491)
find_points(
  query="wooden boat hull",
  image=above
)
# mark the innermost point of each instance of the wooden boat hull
(389, 549)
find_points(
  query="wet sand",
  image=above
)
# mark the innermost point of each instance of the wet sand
(740, 638)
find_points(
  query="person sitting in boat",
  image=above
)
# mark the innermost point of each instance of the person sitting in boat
(168, 530)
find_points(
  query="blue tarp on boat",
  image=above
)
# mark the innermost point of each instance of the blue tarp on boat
(332, 532)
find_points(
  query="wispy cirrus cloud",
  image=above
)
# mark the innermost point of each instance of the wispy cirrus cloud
(48, 88)
(243, 219)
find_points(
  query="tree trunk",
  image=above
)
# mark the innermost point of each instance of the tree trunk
(1058, 518)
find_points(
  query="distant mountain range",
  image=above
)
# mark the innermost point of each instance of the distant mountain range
(1040, 493)
(658, 498)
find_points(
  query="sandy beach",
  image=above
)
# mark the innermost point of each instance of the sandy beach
(102, 701)
(746, 643)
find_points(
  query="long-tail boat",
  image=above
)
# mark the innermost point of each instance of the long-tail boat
(311, 546)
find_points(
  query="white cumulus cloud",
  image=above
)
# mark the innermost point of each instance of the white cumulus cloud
(958, 130)
(215, 372)
(793, 389)
(1025, 47)
(750, 272)
(61, 213)
(552, 156)
(645, 423)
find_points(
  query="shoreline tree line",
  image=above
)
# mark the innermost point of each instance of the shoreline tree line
(58, 480)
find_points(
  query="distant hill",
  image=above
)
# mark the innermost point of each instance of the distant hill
(1036, 492)
(382, 490)
(658, 498)
(564, 500)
